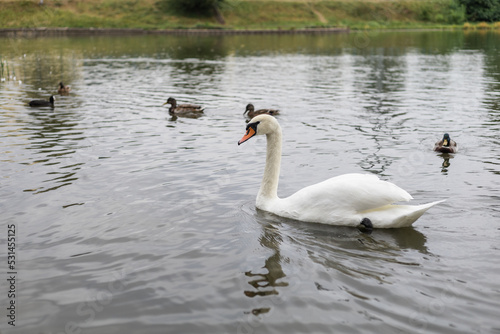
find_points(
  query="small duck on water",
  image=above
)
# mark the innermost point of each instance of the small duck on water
(62, 89)
(43, 103)
(182, 109)
(446, 145)
(251, 112)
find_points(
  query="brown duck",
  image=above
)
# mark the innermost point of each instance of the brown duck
(251, 112)
(446, 145)
(62, 89)
(182, 109)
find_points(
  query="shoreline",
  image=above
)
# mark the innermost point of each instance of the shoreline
(43, 32)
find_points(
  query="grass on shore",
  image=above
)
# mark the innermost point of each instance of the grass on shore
(239, 14)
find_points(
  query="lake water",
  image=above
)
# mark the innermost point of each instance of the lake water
(128, 220)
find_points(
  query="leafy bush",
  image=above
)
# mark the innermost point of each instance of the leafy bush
(467, 26)
(483, 26)
(441, 11)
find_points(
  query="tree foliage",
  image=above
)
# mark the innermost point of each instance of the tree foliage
(482, 10)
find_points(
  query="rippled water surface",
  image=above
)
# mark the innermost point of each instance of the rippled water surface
(129, 220)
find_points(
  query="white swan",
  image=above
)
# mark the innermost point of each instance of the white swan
(342, 200)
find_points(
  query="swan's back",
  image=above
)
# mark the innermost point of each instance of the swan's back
(359, 192)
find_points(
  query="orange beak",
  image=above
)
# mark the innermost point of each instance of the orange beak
(250, 133)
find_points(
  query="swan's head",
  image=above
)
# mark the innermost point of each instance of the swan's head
(260, 125)
(446, 140)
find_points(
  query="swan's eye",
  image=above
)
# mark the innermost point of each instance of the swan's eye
(253, 126)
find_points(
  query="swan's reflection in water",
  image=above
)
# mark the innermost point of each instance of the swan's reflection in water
(265, 283)
(331, 251)
(267, 279)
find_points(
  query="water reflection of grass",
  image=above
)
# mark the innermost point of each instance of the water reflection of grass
(238, 14)
(4, 70)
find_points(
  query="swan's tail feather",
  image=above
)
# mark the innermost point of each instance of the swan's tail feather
(392, 216)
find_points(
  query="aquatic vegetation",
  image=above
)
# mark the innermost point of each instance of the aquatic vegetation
(7, 71)
(482, 26)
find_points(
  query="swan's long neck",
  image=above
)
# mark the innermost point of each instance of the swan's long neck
(269, 186)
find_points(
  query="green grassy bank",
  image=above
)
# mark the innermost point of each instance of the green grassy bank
(238, 14)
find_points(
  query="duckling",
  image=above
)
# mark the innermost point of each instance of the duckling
(250, 109)
(43, 103)
(63, 89)
(446, 145)
(181, 109)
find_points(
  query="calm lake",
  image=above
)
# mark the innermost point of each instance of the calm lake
(129, 220)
